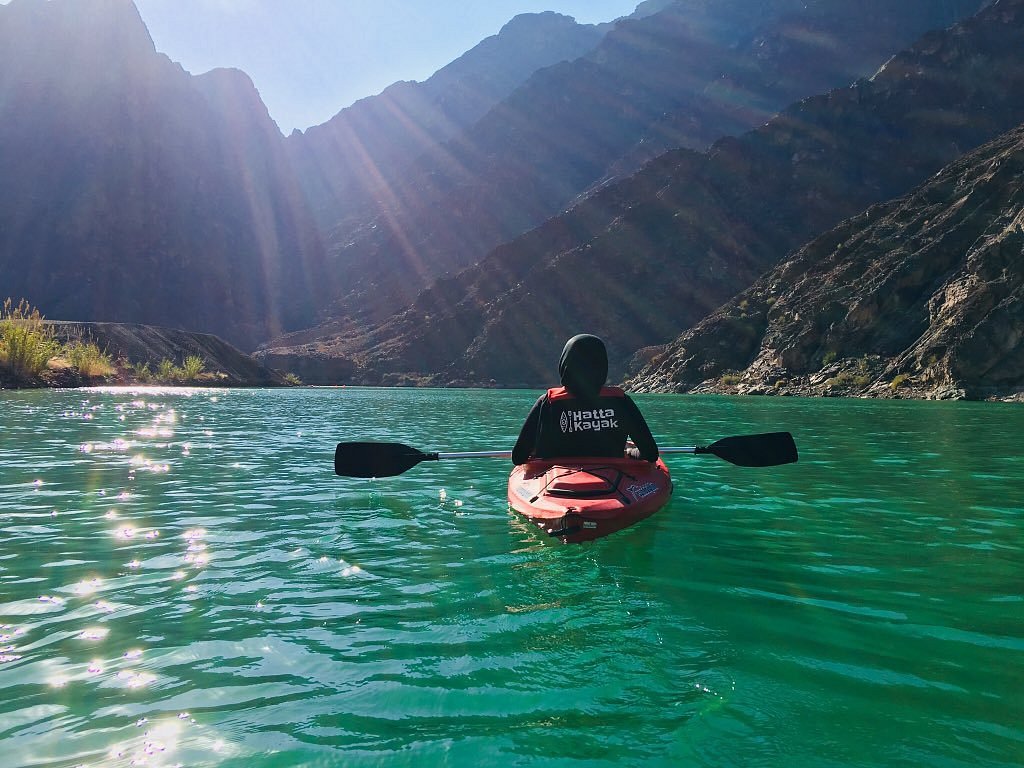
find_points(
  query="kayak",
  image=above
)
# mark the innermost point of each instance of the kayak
(582, 499)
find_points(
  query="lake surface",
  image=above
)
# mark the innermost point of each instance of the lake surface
(183, 581)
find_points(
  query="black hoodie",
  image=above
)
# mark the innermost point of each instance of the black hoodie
(583, 366)
(585, 422)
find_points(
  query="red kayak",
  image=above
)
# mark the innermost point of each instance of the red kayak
(584, 499)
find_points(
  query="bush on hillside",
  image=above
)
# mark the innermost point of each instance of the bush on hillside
(26, 345)
(89, 359)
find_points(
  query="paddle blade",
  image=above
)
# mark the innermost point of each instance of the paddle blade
(767, 450)
(376, 459)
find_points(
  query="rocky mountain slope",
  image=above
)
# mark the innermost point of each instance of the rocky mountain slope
(132, 191)
(654, 254)
(354, 159)
(683, 77)
(922, 296)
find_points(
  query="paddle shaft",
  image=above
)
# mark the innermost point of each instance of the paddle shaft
(364, 459)
(693, 449)
(473, 455)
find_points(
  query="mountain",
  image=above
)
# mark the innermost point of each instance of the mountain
(689, 74)
(643, 259)
(354, 159)
(922, 296)
(131, 191)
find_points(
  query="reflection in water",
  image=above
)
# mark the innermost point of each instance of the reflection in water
(184, 582)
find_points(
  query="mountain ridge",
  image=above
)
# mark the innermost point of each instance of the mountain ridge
(121, 173)
(565, 130)
(386, 132)
(714, 220)
(133, 190)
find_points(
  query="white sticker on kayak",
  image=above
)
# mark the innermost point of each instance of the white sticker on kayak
(643, 491)
(524, 493)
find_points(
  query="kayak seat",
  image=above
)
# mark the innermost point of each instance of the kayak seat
(583, 485)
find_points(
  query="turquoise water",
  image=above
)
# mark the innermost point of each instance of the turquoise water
(183, 581)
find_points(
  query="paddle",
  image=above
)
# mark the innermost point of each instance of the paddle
(767, 450)
(390, 459)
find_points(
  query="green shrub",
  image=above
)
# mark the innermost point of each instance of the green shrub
(89, 359)
(142, 372)
(166, 371)
(829, 357)
(192, 367)
(293, 380)
(849, 379)
(26, 345)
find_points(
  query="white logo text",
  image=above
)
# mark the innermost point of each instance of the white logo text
(588, 421)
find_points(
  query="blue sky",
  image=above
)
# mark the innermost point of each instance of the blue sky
(311, 58)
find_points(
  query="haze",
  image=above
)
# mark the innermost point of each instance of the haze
(311, 58)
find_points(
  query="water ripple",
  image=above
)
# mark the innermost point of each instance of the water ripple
(183, 582)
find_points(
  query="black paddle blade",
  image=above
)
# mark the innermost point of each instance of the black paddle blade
(376, 459)
(767, 450)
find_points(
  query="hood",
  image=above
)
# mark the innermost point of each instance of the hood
(583, 367)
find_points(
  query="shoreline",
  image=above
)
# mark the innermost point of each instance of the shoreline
(137, 355)
(122, 384)
(130, 355)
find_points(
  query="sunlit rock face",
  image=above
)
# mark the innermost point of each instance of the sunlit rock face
(923, 296)
(132, 191)
(645, 259)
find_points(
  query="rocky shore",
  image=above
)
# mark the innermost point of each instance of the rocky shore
(922, 297)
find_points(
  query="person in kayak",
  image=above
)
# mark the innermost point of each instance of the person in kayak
(583, 417)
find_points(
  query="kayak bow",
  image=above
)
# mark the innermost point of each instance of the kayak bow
(582, 499)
